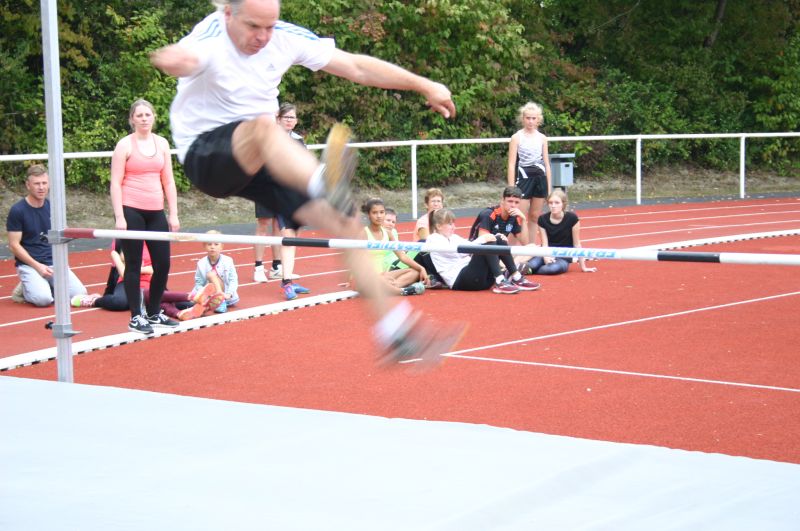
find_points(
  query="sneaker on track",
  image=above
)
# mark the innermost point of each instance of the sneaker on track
(526, 285)
(139, 324)
(525, 268)
(160, 320)
(191, 313)
(505, 288)
(18, 295)
(300, 290)
(214, 302)
(417, 288)
(340, 166)
(436, 283)
(276, 273)
(221, 307)
(202, 297)
(259, 275)
(288, 291)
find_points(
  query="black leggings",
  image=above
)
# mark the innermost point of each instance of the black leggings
(151, 220)
(481, 271)
(116, 301)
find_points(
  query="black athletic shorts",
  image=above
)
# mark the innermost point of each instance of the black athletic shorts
(532, 181)
(283, 222)
(210, 166)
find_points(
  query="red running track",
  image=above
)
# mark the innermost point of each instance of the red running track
(693, 356)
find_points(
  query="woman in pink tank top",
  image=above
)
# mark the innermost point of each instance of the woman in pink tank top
(141, 178)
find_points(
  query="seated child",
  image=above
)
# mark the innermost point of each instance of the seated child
(175, 304)
(406, 281)
(218, 270)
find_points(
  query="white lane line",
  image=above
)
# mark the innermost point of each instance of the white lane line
(627, 373)
(462, 353)
(621, 236)
(701, 218)
(692, 210)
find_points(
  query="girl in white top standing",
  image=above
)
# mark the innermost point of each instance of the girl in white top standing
(529, 164)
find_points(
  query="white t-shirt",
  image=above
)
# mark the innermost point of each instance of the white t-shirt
(530, 149)
(230, 86)
(449, 264)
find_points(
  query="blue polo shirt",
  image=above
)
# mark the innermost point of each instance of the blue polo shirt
(34, 224)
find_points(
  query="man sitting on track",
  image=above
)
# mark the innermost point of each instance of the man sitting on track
(27, 224)
(506, 221)
(223, 123)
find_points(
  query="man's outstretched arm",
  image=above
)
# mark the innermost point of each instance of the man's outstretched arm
(372, 72)
(175, 60)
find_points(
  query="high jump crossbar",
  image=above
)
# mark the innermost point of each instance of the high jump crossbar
(515, 250)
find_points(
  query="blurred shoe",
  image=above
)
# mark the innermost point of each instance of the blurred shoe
(202, 296)
(139, 323)
(214, 302)
(160, 320)
(185, 315)
(191, 313)
(288, 291)
(419, 339)
(525, 268)
(259, 275)
(300, 290)
(417, 288)
(18, 295)
(340, 165)
(505, 288)
(276, 273)
(525, 285)
(222, 308)
(435, 283)
(84, 301)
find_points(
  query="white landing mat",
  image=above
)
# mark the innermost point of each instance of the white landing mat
(99, 458)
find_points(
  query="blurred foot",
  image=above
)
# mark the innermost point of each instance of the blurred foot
(340, 166)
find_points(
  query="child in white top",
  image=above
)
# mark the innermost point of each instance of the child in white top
(218, 269)
(529, 164)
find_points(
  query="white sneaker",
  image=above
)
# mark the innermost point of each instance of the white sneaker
(276, 274)
(18, 295)
(259, 275)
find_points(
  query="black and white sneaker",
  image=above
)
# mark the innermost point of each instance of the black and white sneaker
(417, 288)
(139, 324)
(161, 321)
(340, 166)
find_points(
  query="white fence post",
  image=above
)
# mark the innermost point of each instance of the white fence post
(414, 193)
(741, 166)
(638, 170)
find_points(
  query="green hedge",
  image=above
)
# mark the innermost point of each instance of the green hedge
(597, 68)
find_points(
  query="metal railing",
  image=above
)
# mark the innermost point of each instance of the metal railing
(416, 144)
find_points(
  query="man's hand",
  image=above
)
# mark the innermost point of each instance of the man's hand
(440, 100)
(44, 270)
(517, 213)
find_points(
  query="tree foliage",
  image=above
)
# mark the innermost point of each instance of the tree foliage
(613, 67)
